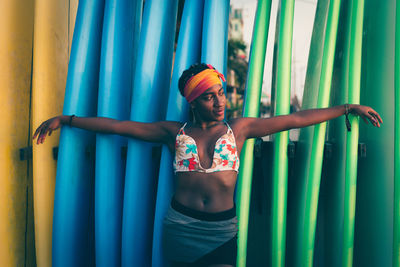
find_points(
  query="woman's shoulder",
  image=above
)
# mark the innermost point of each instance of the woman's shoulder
(240, 125)
(172, 126)
(236, 122)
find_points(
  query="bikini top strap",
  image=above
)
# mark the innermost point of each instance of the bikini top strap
(181, 130)
(229, 128)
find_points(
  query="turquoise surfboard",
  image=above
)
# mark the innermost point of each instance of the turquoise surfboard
(150, 91)
(73, 231)
(121, 28)
(187, 53)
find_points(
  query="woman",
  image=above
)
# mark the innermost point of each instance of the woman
(200, 228)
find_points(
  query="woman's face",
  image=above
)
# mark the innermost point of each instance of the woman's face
(210, 105)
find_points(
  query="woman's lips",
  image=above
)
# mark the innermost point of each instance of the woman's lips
(219, 111)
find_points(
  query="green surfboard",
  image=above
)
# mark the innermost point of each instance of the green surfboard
(330, 217)
(251, 109)
(281, 140)
(303, 148)
(356, 30)
(310, 172)
(373, 229)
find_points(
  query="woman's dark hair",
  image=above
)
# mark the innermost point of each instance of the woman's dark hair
(190, 72)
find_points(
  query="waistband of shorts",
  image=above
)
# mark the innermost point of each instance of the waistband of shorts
(201, 215)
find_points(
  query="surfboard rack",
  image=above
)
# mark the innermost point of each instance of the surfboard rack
(258, 148)
(328, 149)
(156, 152)
(362, 150)
(124, 152)
(89, 152)
(55, 152)
(291, 149)
(25, 153)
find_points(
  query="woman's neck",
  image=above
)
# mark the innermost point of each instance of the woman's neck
(205, 124)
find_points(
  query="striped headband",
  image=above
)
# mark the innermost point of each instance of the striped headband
(202, 81)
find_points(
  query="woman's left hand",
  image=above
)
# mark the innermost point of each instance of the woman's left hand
(366, 113)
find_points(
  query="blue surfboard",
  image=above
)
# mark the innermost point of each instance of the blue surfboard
(121, 29)
(187, 53)
(151, 83)
(73, 233)
(214, 47)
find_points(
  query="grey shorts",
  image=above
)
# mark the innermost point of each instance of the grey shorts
(190, 235)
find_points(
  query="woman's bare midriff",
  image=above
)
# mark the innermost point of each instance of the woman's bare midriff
(207, 192)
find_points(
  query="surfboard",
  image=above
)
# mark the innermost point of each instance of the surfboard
(373, 230)
(50, 64)
(330, 217)
(73, 9)
(214, 46)
(396, 211)
(187, 53)
(281, 140)
(16, 202)
(311, 175)
(356, 32)
(120, 37)
(303, 148)
(73, 221)
(251, 109)
(151, 82)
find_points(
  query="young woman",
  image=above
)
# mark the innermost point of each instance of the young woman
(201, 225)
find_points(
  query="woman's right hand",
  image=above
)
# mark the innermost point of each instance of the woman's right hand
(47, 127)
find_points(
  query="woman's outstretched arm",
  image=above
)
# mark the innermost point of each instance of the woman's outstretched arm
(256, 127)
(162, 132)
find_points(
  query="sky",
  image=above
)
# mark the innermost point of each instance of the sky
(302, 28)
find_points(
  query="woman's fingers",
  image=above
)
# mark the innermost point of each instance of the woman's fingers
(367, 113)
(37, 131)
(373, 119)
(376, 115)
(42, 131)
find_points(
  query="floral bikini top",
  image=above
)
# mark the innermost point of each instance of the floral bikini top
(187, 158)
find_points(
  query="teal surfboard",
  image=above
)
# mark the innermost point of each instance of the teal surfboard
(251, 109)
(396, 210)
(187, 53)
(150, 91)
(121, 28)
(373, 229)
(73, 223)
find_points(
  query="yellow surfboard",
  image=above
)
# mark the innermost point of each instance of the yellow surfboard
(54, 20)
(16, 209)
